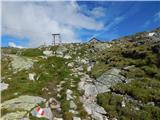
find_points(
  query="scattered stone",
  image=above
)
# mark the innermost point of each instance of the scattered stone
(89, 68)
(57, 118)
(151, 34)
(69, 94)
(45, 89)
(76, 118)
(53, 103)
(114, 119)
(67, 57)
(84, 61)
(25, 118)
(123, 104)
(73, 105)
(74, 112)
(151, 103)
(15, 93)
(47, 53)
(58, 95)
(70, 64)
(4, 86)
(32, 76)
(129, 67)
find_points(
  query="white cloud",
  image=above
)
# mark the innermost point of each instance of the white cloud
(38, 20)
(157, 17)
(111, 25)
(98, 12)
(12, 44)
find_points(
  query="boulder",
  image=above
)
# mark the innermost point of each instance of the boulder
(14, 116)
(47, 113)
(107, 79)
(19, 63)
(24, 102)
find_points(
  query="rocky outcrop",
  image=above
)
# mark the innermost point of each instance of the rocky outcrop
(92, 87)
(21, 106)
(24, 102)
(19, 63)
(108, 79)
(14, 116)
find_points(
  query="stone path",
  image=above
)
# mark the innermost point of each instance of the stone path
(92, 87)
(69, 97)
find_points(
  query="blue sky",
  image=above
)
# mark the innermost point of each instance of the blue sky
(79, 21)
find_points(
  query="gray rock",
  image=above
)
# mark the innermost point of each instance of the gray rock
(69, 94)
(32, 76)
(24, 102)
(109, 78)
(47, 53)
(70, 64)
(53, 103)
(129, 67)
(90, 90)
(47, 113)
(97, 112)
(25, 118)
(58, 118)
(14, 116)
(67, 57)
(123, 104)
(20, 63)
(76, 118)
(3, 86)
(73, 105)
(74, 112)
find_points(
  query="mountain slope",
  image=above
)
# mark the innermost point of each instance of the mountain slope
(112, 80)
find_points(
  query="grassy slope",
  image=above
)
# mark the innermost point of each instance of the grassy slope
(144, 87)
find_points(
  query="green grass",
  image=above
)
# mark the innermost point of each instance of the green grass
(47, 74)
(32, 52)
(112, 104)
(145, 90)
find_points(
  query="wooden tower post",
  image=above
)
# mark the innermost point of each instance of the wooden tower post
(58, 39)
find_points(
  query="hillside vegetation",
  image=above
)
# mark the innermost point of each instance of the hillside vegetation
(117, 80)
